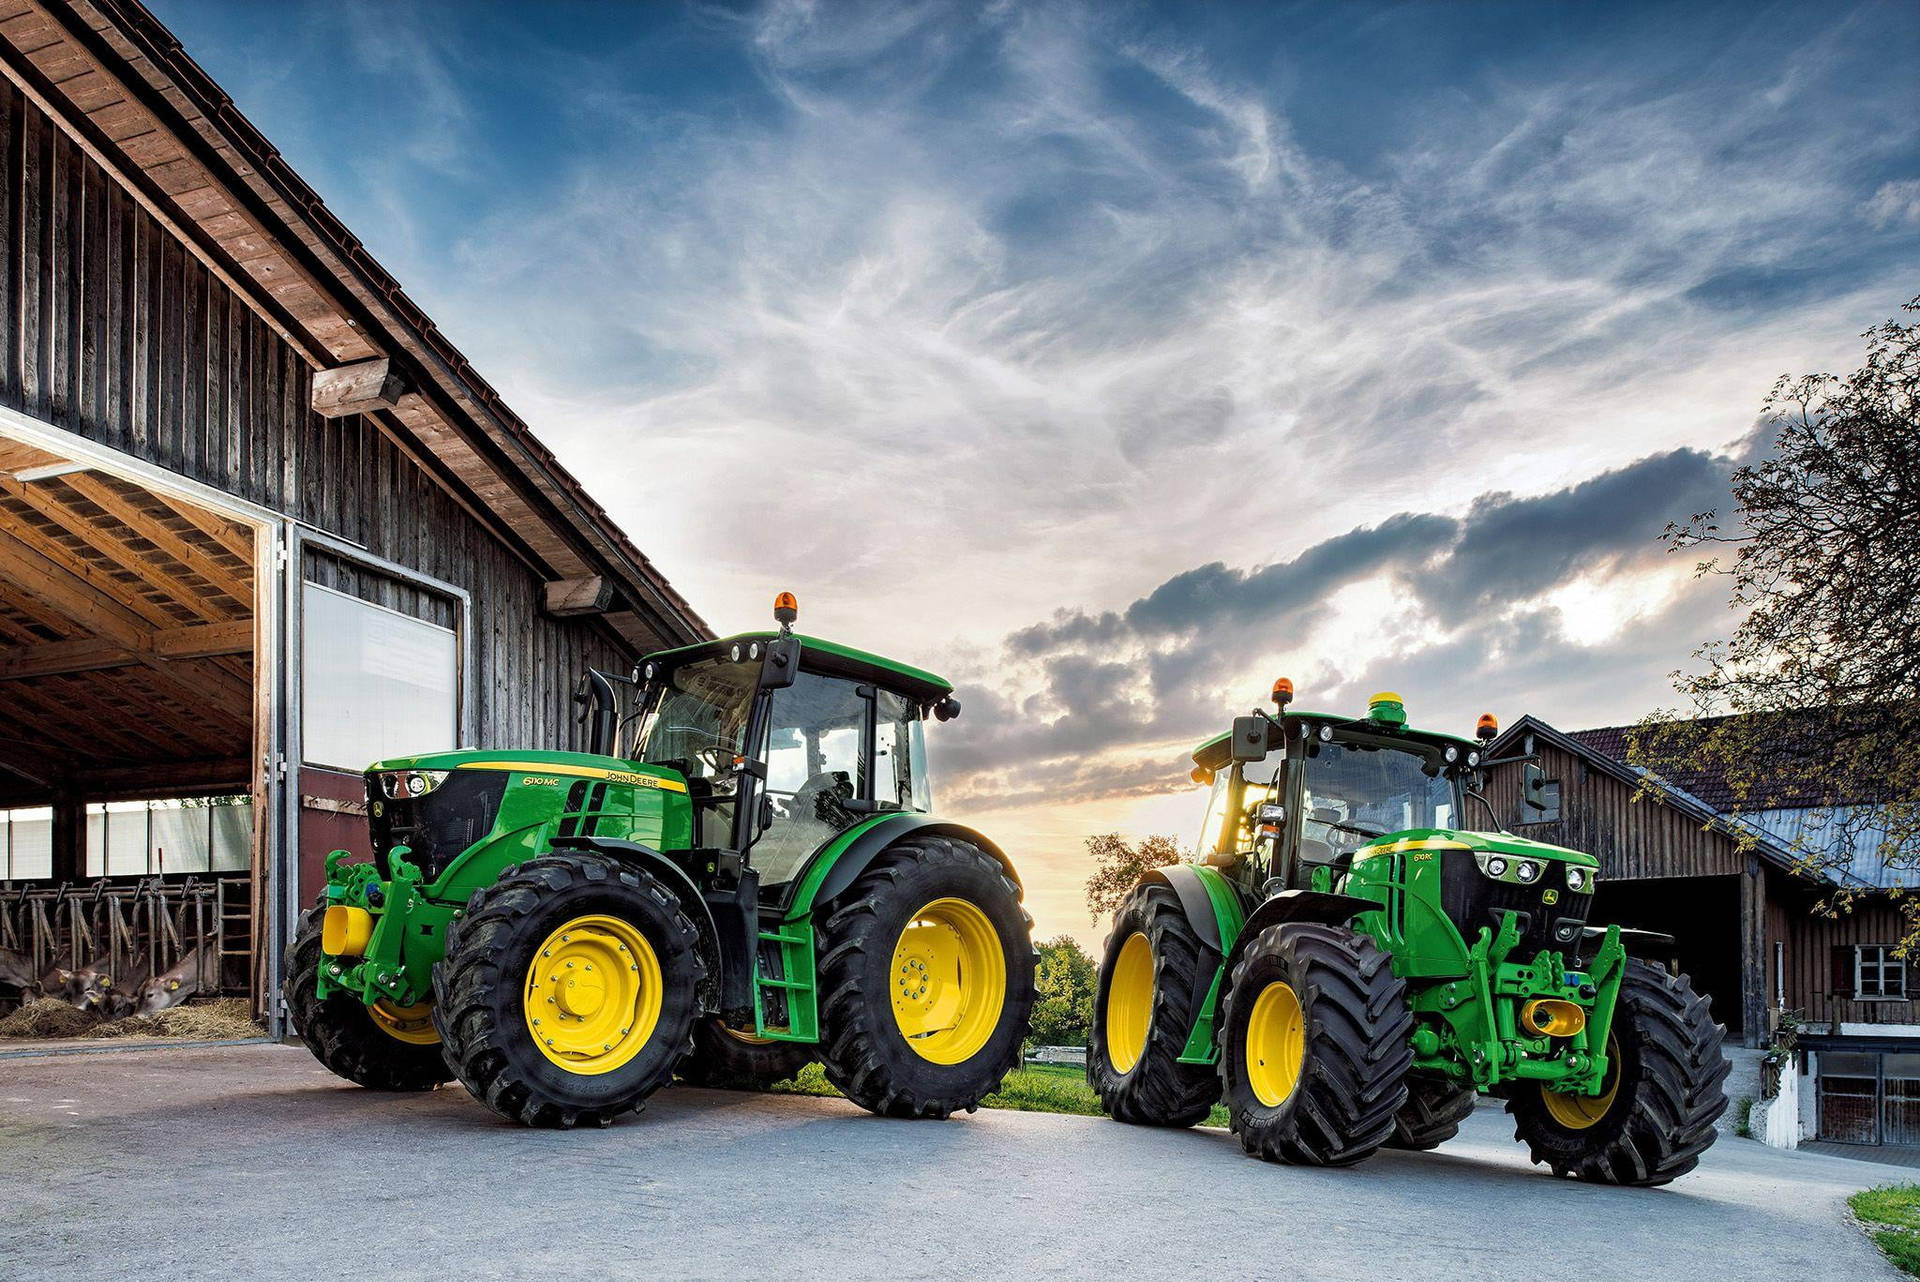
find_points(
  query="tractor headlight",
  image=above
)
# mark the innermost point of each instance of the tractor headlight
(1496, 867)
(1577, 879)
(1326, 734)
(404, 784)
(1526, 870)
(737, 652)
(1452, 754)
(1473, 758)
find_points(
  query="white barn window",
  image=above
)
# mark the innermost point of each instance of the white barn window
(374, 683)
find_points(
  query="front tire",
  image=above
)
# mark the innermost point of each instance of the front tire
(1314, 1046)
(568, 992)
(1654, 1116)
(926, 974)
(1433, 1112)
(385, 1050)
(731, 1060)
(1142, 1011)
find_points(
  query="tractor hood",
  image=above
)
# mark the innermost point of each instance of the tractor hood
(1491, 843)
(573, 765)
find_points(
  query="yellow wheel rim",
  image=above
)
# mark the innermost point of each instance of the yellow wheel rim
(1276, 1044)
(745, 1038)
(1130, 1003)
(949, 981)
(594, 993)
(1578, 1112)
(412, 1024)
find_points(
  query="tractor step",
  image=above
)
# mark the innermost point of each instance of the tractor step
(794, 942)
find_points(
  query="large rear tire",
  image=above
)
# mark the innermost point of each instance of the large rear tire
(926, 973)
(1664, 1090)
(1433, 1112)
(1143, 1012)
(731, 1060)
(1314, 1046)
(568, 992)
(385, 1050)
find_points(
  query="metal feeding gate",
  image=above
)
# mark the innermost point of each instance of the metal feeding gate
(133, 930)
(1869, 1098)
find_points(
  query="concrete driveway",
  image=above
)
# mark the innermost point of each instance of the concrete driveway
(252, 1162)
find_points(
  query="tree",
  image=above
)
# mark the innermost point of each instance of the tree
(1813, 702)
(1063, 994)
(1120, 865)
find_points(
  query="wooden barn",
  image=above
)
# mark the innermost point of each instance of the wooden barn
(1753, 928)
(261, 524)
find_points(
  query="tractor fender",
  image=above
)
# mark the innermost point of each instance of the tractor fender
(1216, 924)
(675, 878)
(842, 861)
(1302, 905)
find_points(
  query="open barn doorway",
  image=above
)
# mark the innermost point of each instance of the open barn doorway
(1703, 916)
(134, 728)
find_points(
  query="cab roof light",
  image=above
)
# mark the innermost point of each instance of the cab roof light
(1488, 727)
(1283, 692)
(786, 609)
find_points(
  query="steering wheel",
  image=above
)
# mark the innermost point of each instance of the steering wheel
(719, 758)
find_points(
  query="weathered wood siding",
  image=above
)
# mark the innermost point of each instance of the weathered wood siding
(1633, 839)
(112, 330)
(1794, 914)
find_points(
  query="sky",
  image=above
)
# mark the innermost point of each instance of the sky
(1113, 359)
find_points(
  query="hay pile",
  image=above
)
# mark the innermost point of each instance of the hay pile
(47, 1017)
(218, 1019)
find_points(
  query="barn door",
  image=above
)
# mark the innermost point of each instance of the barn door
(378, 666)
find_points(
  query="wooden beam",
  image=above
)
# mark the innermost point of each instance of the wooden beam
(111, 545)
(56, 658)
(569, 597)
(91, 654)
(205, 642)
(1753, 953)
(357, 389)
(162, 777)
(36, 763)
(102, 495)
(85, 604)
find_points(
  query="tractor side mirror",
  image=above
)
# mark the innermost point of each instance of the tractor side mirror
(1533, 789)
(1250, 738)
(782, 663)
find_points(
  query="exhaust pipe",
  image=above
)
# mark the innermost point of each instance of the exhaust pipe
(600, 710)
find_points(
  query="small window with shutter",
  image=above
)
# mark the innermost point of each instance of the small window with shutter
(1879, 975)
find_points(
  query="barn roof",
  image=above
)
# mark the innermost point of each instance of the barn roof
(1784, 829)
(118, 81)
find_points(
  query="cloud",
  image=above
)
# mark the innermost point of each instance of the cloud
(1457, 605)
(1895, 204)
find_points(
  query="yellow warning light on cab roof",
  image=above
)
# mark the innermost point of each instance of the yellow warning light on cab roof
(786, 608)
(1283, 691)
(1489, 726)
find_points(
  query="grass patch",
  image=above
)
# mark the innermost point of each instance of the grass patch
(1891, 1216)
(1037, 1088)
(1743, 1117)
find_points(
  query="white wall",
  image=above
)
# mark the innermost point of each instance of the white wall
(1777, 1122)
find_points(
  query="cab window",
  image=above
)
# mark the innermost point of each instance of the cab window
(815, 755)
(899, 754)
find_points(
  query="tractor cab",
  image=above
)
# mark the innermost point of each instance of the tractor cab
(786, 742)
(1295, 797)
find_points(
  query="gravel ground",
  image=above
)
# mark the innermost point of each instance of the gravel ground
(253, 1162)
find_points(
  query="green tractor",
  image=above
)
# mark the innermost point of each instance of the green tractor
(755, 884)
(1350, 961)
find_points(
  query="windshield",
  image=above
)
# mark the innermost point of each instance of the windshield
(1355, 792)
(697, 721)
